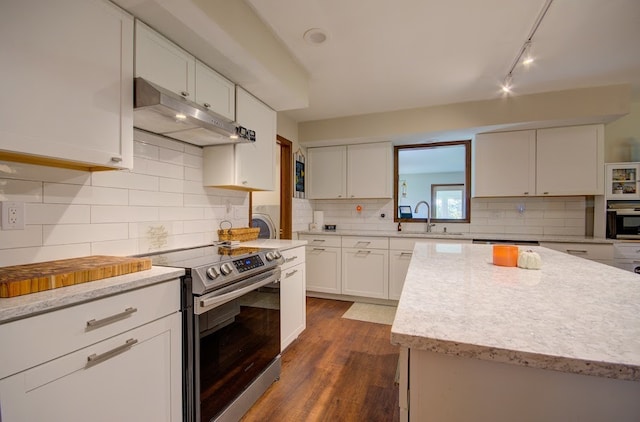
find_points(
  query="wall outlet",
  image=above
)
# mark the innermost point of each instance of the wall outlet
(12, 215)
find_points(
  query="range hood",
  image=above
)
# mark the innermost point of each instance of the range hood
(160, 111)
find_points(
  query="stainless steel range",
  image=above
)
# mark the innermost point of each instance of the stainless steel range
(231, 327)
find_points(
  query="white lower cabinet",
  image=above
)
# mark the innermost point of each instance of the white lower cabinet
(324, 263)
(293, 308)
(599, 252)
(365, 267)
(400, 252)
(134, 375)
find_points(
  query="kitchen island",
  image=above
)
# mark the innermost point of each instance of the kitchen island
(482, 342)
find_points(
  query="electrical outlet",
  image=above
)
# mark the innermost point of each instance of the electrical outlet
(12, 215)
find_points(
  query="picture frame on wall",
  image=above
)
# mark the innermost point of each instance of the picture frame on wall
(299, 174)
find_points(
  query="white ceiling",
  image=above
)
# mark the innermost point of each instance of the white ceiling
(386, 55)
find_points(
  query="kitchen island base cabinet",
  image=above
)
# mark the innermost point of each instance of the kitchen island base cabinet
(453, 388)
(135, 383)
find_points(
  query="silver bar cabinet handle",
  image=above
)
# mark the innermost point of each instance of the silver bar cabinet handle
(287, 275)
(95, 359)
(96, 323)
(291, 259)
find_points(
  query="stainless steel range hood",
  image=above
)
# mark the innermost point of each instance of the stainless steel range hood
(160, 111)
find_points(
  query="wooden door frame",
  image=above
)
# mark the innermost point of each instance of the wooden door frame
(286, 186)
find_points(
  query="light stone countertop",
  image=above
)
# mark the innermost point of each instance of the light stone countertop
(282, 244)
(49, 300)
(573, 315)
(464, 236)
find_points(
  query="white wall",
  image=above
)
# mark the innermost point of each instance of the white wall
(622, 137)
(159, 205)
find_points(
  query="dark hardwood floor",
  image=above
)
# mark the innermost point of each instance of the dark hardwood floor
(337, 370)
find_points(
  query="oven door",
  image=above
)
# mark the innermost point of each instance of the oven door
(239, 337)
(627, 224)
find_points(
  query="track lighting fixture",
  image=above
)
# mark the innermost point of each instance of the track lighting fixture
(524, 55)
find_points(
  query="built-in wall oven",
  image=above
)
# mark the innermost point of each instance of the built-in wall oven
(231, 327)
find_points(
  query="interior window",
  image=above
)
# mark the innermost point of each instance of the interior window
(433, 178)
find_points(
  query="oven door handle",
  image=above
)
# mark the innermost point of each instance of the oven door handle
(214, 299)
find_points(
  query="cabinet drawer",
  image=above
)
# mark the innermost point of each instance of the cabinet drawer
(321, 240)
(583, 250)
(365, 242)
(627, 251)
(293, 257)
(46, 336)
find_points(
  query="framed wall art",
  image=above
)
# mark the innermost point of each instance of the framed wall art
(299, 172)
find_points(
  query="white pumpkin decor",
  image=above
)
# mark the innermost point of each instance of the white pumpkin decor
(529, 260)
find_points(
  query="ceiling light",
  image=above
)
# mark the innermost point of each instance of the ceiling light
(525, 50)
(315, 36)
(180, 116)
(527, 57)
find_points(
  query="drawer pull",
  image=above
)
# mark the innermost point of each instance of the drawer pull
(293, 258)
(363, 252)
(287, 275)
(363, 243)
(319, 249)
(96, 323)
(576, 251)
(95, 359)
(318, 240)
(406, 253)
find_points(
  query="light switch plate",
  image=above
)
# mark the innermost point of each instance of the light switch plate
(12, 215)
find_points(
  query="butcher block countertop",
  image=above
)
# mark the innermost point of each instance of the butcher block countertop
(573, 315)
(32, 278)
(36, 303)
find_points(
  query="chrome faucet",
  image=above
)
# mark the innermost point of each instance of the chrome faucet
(429, 225)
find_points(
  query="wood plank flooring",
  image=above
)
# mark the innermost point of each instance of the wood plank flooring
(337, 370)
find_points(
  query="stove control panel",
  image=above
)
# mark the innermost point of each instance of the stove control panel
(248, 263)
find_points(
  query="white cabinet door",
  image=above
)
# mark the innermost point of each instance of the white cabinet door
(137, 383)
(162, 62)
(327, 170)
(292, 303)
(369, 170)
(256, 161)
(504, 164)
(324, 269)
(215, 92)
(570, 160)
(398, 267)
(67, 83)
(365, 272)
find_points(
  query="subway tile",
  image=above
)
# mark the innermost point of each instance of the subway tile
(159, 141)
(193, 150)
(122, 214)
(564, 231)
(115, 247)
(92, 195)
(30, 236)
(145, 150)
(524, 230)
(158, 199)
(564, 214)
(19, 256)
(20, 190)
(194, 187)
(157, 168)
(61, 234)
(171, 185)
(180, 213)
(194, 174)
(125, 180)
(199, 226)
(171, 156)
(193, 161)
(57, 214)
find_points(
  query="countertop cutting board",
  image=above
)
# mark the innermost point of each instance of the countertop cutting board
(31, 278)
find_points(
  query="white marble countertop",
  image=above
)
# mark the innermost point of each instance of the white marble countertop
(49, 300)
(464, 236)
(573, 315)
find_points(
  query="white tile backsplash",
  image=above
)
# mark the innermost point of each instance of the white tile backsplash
(161, 204)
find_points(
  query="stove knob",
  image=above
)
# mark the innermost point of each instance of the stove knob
(226, 268)
(270, 256)
(212, 273)
(277, 254)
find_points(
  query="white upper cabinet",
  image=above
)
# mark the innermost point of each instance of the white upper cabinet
(351, 171)
(67, 83)
(570, 160)
(327, 172)
(545, 162)
(215, 92)
(504, 164)
(162, 62)
(245, 166)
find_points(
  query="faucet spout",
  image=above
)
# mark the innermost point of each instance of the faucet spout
(429, 225)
